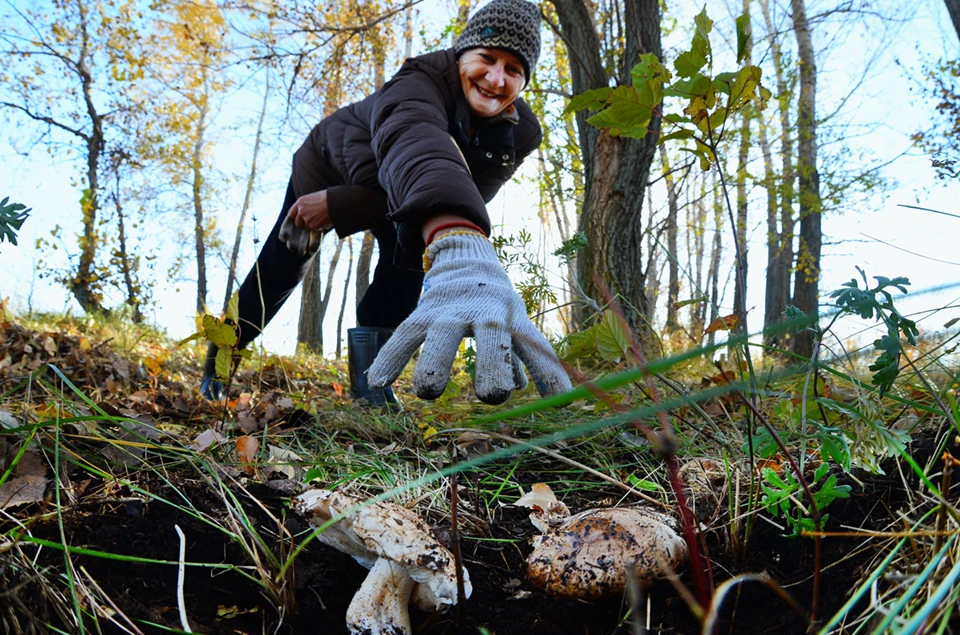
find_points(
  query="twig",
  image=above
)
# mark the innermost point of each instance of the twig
(559, 457)
(814, 510)
(181, 605)
(455, 535)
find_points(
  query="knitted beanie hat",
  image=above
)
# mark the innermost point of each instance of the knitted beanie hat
(513, 25)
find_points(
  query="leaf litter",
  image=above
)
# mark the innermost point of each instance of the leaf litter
(149, 439)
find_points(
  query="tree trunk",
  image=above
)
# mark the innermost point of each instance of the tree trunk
(778, 272)
(251, 180)
(343, 302)
(653, 258)
(673, 209)
(463, 14)
(196, 164)
(313, 305)
(697, 224)
(771, 292)
(363, 265)
(310, 325)
(740, 285)
(953, 8)
(805, 290)
(83, 284)
(126, 268)
(616, 169)
(713, 277)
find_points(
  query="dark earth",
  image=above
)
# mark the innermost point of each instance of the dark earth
(502, 602)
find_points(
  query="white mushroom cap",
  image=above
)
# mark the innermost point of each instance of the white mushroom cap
(392, 533)
(588, 556)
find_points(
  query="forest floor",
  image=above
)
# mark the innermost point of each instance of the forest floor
(108, 453)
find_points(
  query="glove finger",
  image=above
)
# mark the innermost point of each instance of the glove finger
(540, 359)
(396, 353)
(519, 377)
(303, 242)
(495, 378)
(436, 358)
(286, 230)
(315, 238)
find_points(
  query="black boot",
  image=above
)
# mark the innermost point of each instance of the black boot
(363, 344)
(209, 386)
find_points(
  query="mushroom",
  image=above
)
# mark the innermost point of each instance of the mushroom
(547, 510)
(404, 559)
(588, 555)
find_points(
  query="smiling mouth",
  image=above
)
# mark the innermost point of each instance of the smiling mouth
(486, 93)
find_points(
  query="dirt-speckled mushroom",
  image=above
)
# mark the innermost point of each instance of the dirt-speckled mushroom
(587, 556)
(404, 559)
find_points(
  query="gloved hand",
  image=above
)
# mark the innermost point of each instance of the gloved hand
(300, 240)
(467, 293)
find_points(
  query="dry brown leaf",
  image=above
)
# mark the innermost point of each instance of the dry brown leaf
(27, 483)
(247, 448)
(206, 439)
(725, 323)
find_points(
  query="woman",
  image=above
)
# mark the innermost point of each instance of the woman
(416, 162)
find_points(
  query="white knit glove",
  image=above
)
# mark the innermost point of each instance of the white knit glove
(467, 293)
(299, 240)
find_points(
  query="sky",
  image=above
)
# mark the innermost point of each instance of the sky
(873, 232)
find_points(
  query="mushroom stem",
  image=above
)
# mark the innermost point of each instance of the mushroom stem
(380, 607)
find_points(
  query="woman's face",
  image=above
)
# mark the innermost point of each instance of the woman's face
(491, 79)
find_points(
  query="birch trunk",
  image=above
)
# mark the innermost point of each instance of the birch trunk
(805, 290)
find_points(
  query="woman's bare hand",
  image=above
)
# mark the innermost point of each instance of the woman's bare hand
(311, 212)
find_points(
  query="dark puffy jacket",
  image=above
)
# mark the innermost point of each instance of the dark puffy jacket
(407, 152)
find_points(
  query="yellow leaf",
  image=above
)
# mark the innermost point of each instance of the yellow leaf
(222, 335)
(154, 366)
(233, 307)
(429, 432)
(224, 363)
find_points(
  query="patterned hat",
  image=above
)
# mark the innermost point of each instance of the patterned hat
(513, 25)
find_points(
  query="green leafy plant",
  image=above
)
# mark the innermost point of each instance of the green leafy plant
(833, 440)
(223, 333)
(607, 338)
(710, 100)
(12, 216)
(517, 252)
(782, 497)
(877, 303)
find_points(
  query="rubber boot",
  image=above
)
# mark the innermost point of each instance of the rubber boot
(209, 386)
(363, 344)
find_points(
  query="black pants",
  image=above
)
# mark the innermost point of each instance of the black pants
(391, 297)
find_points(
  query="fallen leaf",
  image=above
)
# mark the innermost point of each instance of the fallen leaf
(8, 421)
(725, 323)
(247, 448)
(154, 366)
(338, 388)
(28, 480)
(230, 612)
(49, 345)
(284, 462)
(206, 439)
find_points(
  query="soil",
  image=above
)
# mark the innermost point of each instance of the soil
(502, 602)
